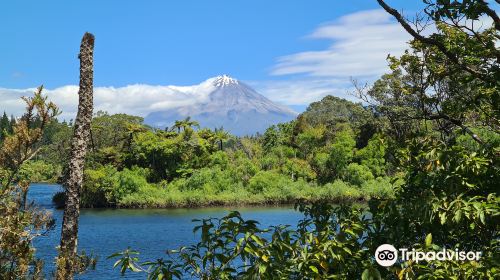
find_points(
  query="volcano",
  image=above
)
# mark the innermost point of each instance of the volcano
(225, 102)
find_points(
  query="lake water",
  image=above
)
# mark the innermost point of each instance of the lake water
(150, 231)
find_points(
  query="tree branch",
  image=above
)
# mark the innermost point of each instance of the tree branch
(429, 41)
(492, 14)
(457, 123)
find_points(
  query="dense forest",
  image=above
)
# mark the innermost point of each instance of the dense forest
(421, 152)
(334, 150)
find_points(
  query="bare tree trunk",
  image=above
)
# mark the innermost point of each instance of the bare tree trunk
(66, 263)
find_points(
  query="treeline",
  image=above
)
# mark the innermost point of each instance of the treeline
(334, 150)
(6, 126)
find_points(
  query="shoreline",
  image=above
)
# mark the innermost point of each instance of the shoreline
(223, 205)
(194, 204)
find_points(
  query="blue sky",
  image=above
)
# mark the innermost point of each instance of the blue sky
(275, 46)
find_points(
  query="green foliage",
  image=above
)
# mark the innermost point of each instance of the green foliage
(332, 111)
(112, 130)
(107, 186)
(243, 168)
(357, 174)
(6, 127)
(267, 180)
(20, 221)
(134, 166)
(55, 144)
(211, 180)
(309, 139)
(373, 155)
(98, 187)
(342, 149)
(129, 181)
(39, 171)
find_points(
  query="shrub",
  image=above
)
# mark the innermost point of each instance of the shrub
(341, 150)
(298, 168)
(381, 187)
(219, 158)
(58, 199)
(97, 187)
(264, 181)
(243, 168)
(209, 180)
(357, 174)
(338, 190)
(373, 155)
(106, 186)
(39, 171)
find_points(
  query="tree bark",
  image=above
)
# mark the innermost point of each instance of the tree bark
(69, 233)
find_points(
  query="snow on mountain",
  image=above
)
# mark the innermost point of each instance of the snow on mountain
(224, 102)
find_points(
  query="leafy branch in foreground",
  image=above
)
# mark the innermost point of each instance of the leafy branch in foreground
(21, 222)
(329, 242)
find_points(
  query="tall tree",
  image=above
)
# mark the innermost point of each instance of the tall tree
(221, 136)
(69, 234)
(12, 123)
(4, 126)
(186, 123)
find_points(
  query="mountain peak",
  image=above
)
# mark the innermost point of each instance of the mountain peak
(224, 80)
(227, 102)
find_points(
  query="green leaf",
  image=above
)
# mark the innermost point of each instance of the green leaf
(482, 217)
(258, 240)
(428, 240)
(458, 216)
(371, 274)
(262, 268)
(443, 218)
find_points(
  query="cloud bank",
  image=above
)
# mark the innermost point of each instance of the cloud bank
(133, 99)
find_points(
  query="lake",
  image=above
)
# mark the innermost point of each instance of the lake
(150, 231)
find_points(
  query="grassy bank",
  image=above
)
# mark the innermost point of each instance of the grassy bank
(155, 197)
(107, 187)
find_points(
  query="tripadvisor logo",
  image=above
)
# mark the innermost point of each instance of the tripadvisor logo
(387, 255)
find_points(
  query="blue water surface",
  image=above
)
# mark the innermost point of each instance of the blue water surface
(150, 231)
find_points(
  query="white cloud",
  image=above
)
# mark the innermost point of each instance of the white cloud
(303, 91)
(133, 99)
(360, 44)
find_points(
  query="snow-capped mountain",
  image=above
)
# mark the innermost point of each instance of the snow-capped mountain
(225, 102)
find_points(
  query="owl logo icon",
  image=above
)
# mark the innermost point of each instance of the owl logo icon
(386, 255)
